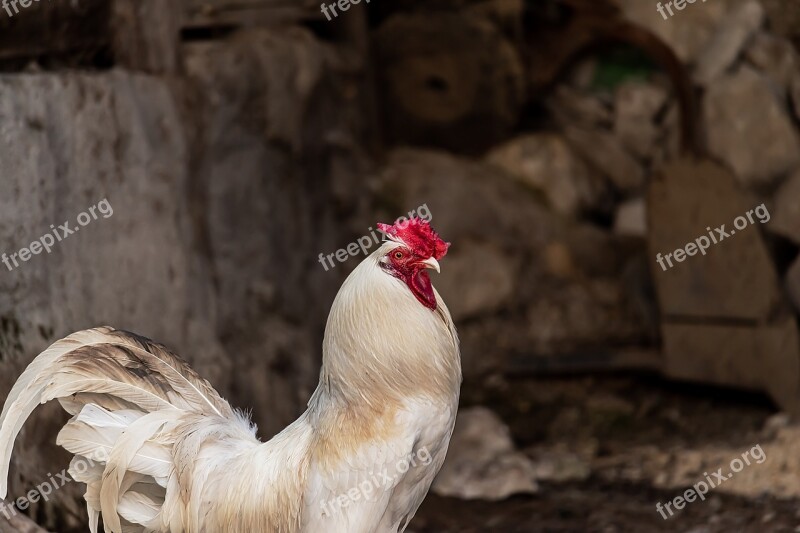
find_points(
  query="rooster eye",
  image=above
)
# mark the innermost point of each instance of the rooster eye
(398, 255)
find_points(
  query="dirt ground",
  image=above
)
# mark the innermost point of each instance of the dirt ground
(611, 490)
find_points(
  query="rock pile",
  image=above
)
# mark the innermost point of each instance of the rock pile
(606, 139)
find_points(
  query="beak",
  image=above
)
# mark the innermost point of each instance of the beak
(432, 263)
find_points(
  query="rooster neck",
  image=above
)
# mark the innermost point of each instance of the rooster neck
(381, 344)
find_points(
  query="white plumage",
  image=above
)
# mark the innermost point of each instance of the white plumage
(161, 451)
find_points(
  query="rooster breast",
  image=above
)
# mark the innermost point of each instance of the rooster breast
(375, 485)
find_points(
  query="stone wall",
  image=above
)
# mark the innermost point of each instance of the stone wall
(219, 214)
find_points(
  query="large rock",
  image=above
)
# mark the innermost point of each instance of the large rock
(749, 129)
(724, 317)
(636, 105)
(733, 277)
(482, 462)
(733, 33)
(569, 105)
(640, 99)
(784, 18)
(546, 163)
(605, 152)
(775, 57)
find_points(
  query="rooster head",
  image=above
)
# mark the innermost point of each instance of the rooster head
(418, 249)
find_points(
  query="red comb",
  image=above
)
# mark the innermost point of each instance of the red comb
(418, 235)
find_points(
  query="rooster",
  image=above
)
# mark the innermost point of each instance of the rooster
(161, 451)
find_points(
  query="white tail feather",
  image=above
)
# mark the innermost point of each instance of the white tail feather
(127, 395)
(122, 455)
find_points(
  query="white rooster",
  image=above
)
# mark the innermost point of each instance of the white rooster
(161, 451)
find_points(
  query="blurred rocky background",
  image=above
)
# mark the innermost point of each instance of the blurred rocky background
(559, 144)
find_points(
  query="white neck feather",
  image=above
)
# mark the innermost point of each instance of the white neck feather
(381, 343)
